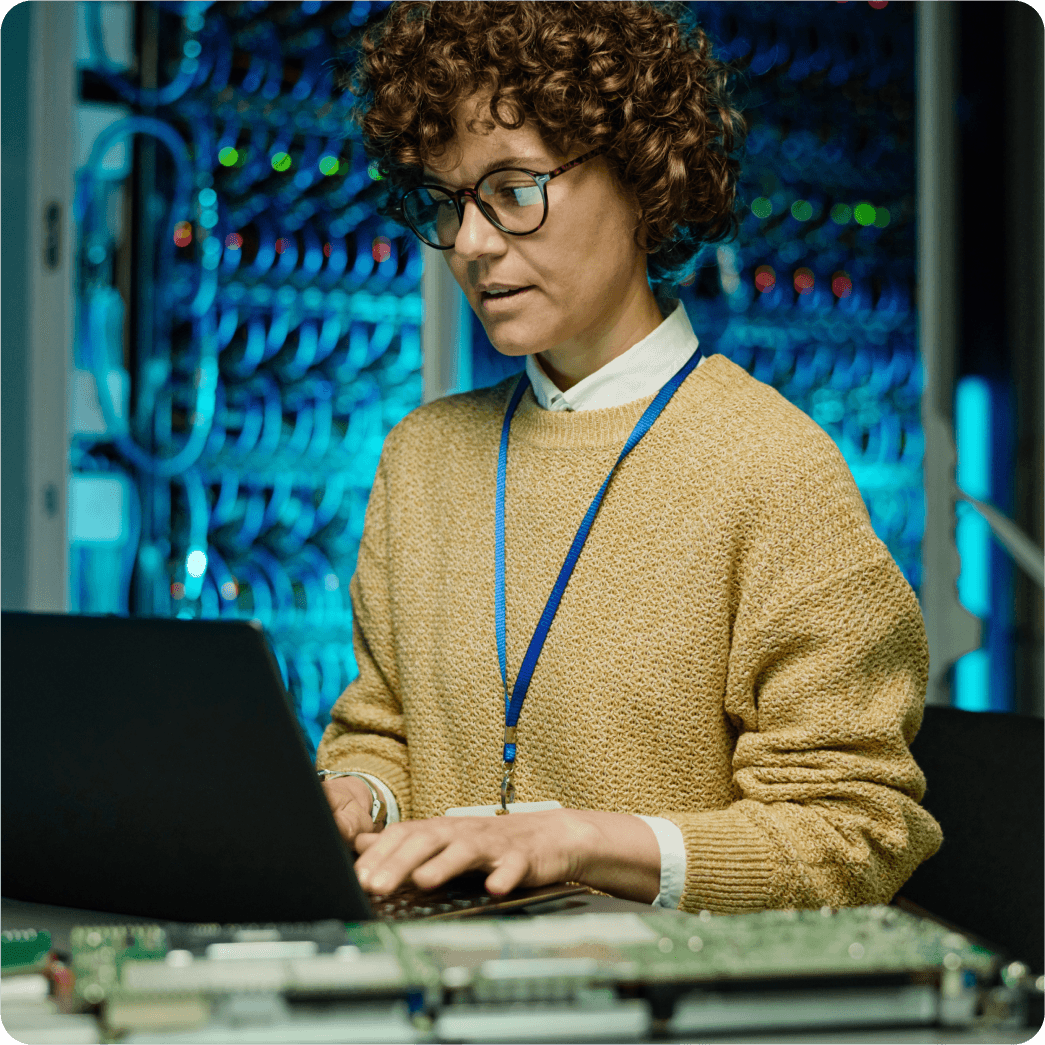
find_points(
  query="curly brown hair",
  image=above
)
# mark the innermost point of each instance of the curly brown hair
(634, 78)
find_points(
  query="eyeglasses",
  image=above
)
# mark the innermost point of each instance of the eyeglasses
(513, 200)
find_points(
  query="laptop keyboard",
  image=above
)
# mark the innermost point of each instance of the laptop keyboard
(460, 897)
(417, 903)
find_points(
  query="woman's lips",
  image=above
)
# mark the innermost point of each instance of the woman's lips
(503, 302)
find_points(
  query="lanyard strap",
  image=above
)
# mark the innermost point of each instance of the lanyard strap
(513, 704)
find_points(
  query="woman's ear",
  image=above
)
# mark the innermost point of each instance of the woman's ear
(641, 229)
(642, 234)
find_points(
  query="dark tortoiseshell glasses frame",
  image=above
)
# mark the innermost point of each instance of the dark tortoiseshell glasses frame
(461, 195)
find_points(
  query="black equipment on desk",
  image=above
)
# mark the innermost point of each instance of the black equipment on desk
(984, 772)
(153, 767)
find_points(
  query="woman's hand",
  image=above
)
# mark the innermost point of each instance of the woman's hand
(614, 852)
(350, 801)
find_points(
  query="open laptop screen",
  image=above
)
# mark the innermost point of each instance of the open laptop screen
(153, 767)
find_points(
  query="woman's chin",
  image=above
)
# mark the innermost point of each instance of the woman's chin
(513, 343)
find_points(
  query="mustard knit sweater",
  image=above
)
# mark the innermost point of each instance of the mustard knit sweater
(736, 650)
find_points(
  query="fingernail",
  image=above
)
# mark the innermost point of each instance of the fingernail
(381, 880)
(363, 876)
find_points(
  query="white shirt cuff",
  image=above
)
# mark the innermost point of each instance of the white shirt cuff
(391, 805)
(672, 861)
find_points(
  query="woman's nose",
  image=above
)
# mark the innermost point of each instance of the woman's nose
(477, 235)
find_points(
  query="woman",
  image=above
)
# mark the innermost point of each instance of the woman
(719, 708)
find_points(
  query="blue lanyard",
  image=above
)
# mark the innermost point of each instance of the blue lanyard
(513, 705)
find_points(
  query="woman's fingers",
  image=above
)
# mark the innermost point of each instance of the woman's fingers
(387, 863)
(459, 856)
(519, 850)
(509, 874)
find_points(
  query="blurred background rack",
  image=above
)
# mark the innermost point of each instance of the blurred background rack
(209, 332)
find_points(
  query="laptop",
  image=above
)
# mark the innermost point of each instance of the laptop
(154, 768)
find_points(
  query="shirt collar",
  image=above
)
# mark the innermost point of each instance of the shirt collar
(639, 372)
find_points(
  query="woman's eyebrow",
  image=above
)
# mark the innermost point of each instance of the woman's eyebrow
(529, 162)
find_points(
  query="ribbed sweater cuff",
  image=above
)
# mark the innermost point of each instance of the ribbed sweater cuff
(730, 865)
(392, 776)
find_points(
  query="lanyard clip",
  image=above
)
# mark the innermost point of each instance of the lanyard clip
(507, 788)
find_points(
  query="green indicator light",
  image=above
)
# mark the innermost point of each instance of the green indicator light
(841, 213)
(328, 165)
(375, 174)
(801, 210)
(881, 218)
(762, 207)
(864, 213)
(281, 162)
(228, 156)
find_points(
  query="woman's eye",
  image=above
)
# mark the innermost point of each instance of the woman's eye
(521, 196)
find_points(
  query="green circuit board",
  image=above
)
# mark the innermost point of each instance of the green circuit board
(552, 954)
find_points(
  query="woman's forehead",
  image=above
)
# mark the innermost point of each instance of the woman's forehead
(481, 146)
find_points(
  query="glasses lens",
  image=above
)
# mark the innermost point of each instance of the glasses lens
(514, 200)
(432, 215)
(511, 199)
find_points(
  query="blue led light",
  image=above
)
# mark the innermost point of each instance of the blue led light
(972, 436)
(972, 681)
(196, 563)
(972, 426)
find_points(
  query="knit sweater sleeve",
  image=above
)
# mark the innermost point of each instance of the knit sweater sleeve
(827, 691)
(367, 730)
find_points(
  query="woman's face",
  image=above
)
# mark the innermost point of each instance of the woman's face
(586, 296)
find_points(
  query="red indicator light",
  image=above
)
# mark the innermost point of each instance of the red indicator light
(327, 250)
(182, 234)
(841, 285)
(281, 245)
(765, 278)
(381, 249)
(804, 280)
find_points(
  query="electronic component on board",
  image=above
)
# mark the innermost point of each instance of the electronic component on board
(580, 976)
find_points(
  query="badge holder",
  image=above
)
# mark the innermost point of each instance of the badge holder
(508, 803)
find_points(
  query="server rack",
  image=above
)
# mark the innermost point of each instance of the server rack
(245, 330)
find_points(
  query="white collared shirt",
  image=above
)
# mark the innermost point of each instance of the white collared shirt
(639, 372)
